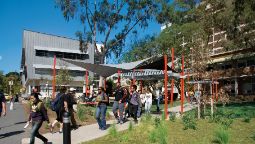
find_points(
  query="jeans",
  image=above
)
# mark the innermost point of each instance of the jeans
(148, 106)
(36, 125)
(158, 102)
(133, 111)
(74, 124)
(101, 111)
(139, 111)
(116, 106)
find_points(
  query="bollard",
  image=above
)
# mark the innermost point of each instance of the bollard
(66, 128)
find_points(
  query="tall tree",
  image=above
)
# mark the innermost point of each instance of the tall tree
(63, 76)
(111, 19)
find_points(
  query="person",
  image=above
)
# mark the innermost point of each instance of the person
(118, 104)
(11, 103)
(60, 109)
(70, 99)
(101, 109)
(157, 92)
(148, 100)
(142, 97)
(126, 105)
(135, 102)
(2, 104)
(38, 114)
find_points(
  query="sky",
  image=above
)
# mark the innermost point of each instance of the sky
(36, 15)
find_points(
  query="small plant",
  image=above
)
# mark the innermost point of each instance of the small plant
(172, 117)
(162, 134)
(130, 126)
(113, 131)
(124, 138)
(148, 117)
(226, 122)
(247, 119)
(189, 122)
(84, 112)
(153, 136)
(253, 136)
(221, 136)
(157, 121)
(163, 116)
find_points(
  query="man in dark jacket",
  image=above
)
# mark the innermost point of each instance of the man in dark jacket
(135, 102)
(118, 104)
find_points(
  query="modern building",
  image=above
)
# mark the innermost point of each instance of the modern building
(38, 50)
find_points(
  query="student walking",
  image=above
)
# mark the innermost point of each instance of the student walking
(102, 101)
(135, 102)
(70, 99)
(118, 104)
(148, 100)
(38, 114)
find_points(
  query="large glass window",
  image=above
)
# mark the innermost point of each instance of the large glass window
(43, 53)
(248, 86)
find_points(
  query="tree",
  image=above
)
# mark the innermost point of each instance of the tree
(113, 20)
(15, 88)
(63, 76)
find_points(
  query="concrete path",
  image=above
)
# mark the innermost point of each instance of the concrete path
(90, 132)
(11, 126)
(82, 134)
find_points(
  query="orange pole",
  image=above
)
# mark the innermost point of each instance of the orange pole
(86, 88)
(166, 76)
(182, 85)
(216, 91)
(54, 77)
(172, 82)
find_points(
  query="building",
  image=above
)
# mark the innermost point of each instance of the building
(38, 50)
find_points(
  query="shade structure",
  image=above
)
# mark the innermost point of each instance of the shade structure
(102, 70)
(153, 66)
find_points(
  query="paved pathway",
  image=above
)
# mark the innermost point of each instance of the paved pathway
(90, 132)
(11, 126)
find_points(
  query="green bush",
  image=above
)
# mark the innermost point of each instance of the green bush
(172, 117)
(159, 134)
(153, 137)
(83, 112)
(247, 119)
(189, 122)
(113, 131)
(157, 121)
(221, 136)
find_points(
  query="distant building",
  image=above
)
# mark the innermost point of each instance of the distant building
(38, 52)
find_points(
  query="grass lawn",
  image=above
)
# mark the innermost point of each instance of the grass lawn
(239, 132)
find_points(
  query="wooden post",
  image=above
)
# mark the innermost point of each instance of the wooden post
(182, 85)
(54, 78)
(166, 76)
(172, 82)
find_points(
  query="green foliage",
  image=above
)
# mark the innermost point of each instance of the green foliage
(221, 136)
(189, 121)
(153, 136)
(157, 121)
(47, 103)
(172, 117)
(113, 130)
(159, 134)
(63, 76)
(124, 138)
(130, 126)
(247, 119)
(253, 136)
(84, 112)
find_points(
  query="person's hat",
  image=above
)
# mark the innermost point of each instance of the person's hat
(72, 89)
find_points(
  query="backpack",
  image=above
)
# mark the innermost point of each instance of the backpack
(56, 103)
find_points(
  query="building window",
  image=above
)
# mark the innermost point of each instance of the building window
(40, 53)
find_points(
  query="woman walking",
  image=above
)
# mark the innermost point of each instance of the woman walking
(148, 100)
(102, 100)
(38, 114)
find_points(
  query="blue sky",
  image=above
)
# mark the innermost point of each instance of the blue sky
(36, 15)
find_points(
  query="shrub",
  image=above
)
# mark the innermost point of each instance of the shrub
(172, 117)
(189, 122)
(247, 119)
(157, 121)
(83, 112)
(113, 131)
(159, 134)
(221, 136)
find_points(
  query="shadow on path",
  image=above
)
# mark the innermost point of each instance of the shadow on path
(10, 134)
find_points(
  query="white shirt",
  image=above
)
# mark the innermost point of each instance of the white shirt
(148, 97)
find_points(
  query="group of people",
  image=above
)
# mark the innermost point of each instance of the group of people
(127, 103)
(38, 112)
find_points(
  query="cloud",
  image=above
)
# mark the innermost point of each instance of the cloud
(1, 57)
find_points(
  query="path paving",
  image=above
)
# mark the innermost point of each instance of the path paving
(90, 132)
(11, 126)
